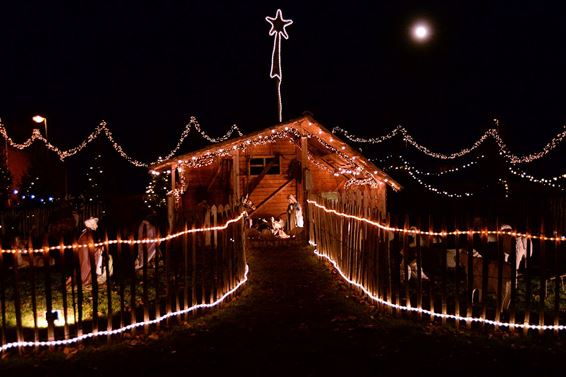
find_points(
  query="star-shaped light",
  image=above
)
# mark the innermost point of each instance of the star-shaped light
(278, 24)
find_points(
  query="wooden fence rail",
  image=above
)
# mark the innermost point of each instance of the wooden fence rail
(48, 301)
(34, 221)
(483, 278)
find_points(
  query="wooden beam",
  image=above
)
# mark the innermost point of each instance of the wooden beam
(171, 199)
(303, 187)
(236, 175)
(216, 174)
(264, 201)
(255, 182)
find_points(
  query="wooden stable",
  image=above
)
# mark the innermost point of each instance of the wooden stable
(297, 157)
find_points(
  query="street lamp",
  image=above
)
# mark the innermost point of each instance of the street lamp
(40, 119)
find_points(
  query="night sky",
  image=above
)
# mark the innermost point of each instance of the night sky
(145, 69)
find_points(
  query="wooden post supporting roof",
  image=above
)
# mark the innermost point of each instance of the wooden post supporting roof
(171, 199)
(236, 175)
(304, 167)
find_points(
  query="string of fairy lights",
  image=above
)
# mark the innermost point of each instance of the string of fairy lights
(432, 314)
(435, 189)
(359, 168)
(102, 128)
(413, 172)
(91, 335)
(505, 186)
(107, 243)
(416, 231)
(491, 133)
(556, 182)
(438, 173)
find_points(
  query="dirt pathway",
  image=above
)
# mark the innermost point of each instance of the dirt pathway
(296, 318)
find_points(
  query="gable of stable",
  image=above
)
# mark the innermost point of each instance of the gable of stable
(270, 171)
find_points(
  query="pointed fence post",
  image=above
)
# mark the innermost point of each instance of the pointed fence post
(3, 326)
(214, 277)
(33, 290)
(17, 301)
(63, 259)
(109, 311)
(121, 261)
(186, 262)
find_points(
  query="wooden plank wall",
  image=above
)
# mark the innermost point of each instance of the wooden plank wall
(278, 204)
(323, 181)
(197, 189)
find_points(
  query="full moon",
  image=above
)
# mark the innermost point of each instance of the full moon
(421, 32)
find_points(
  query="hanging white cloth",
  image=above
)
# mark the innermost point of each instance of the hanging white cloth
(521, 246)
(146, 230)
(294, 214)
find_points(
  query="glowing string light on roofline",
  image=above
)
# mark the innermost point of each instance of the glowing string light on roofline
(120, 330)
(103, 128)
(208, 157)
(360, 182)
(46, 249)
(415, 231)
(431, 313)
(493, 133)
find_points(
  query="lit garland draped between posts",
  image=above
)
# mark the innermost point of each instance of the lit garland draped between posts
(102, 128)
(491, 133)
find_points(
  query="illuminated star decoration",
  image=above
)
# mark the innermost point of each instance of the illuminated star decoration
(278, 25)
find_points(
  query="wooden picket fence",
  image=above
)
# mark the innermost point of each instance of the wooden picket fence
(431, 274)
(45, 300)
(34, 221)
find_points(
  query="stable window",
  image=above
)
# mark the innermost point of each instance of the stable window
(258, 164)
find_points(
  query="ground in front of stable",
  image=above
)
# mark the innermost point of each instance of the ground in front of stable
(296, 317)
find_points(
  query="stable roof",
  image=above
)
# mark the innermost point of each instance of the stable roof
(323, 146)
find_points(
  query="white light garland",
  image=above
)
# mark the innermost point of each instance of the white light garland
(208, 157)
(493, 133)
(371, 140)
(120, 330)
(361, 182)
(505, 186)
(442, 172)
(127, 242)
(554, 182)
(411, 173)
(319, 164)
(415, 231)
(380, 160)
(410, 308)
(103, 128)
(438, 191)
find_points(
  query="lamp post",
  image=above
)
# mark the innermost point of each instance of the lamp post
(40, 119)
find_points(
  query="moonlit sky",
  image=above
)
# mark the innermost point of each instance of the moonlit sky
(421, 31)
(145, 69)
